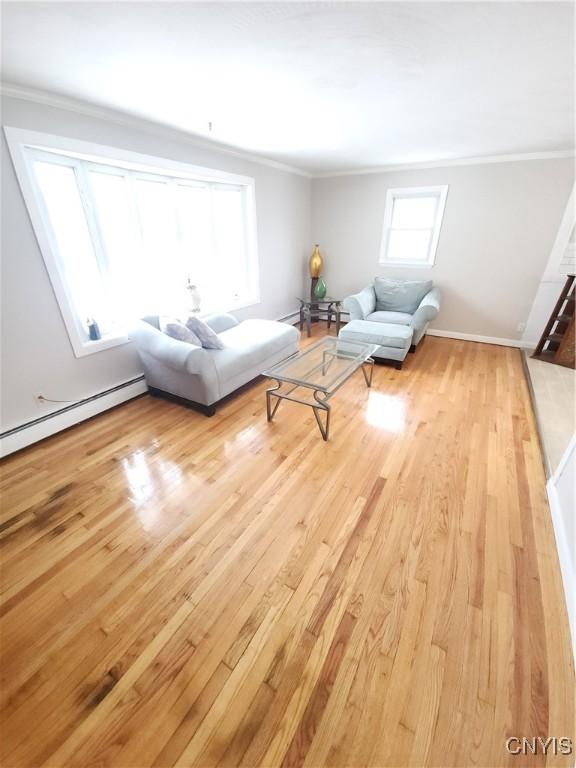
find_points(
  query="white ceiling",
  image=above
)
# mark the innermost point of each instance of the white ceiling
(323, 86)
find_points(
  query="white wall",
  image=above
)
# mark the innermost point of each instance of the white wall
(36, 352)
(500, 222)
(562, 496)
(560, 263)
(499, 225)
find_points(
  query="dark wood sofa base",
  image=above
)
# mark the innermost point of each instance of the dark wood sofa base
(388, 361)
(207, 410)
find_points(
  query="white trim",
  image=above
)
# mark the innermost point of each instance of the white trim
(475, 337)
(131, 120)
(439, 192)
(289, 317)
(566, 565)
(60, 421)
(38, 216)
(125, 158)
(560, 154)
(60, 101)
(496, 340)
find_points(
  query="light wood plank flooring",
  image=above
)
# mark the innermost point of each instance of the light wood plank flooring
(184, 591)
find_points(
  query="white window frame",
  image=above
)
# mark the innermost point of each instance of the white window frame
(399, 193)
(20, 141)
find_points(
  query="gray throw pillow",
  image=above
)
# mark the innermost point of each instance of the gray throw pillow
(208, 338)
(399, 295)
(176, 330)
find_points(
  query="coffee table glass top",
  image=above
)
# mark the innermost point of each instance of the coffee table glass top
(324, 366)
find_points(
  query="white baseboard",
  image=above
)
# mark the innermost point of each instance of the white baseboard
(289, 318)
(518, 343)
(30, 433)
(480, 339)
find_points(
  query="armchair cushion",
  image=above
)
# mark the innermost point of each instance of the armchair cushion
(427, 309)
(360, 305)
(397, 318)
(400, 295)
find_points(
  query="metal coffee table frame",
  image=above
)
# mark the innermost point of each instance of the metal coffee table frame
(321, 395)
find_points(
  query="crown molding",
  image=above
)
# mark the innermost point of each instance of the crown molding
(78, 106)
(60, 101)
(485, 160)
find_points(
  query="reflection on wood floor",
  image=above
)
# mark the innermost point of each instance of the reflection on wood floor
(187, 591)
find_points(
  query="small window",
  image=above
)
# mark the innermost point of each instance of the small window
(412, 224)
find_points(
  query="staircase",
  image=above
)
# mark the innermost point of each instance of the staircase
(556, 344)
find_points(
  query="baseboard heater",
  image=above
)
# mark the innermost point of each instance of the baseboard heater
(36, 429)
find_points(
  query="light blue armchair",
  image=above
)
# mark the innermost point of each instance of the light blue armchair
(412, 303)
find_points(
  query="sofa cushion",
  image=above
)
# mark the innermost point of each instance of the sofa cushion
(176, 330)
(400, 295)
(208, 338)
(396, 318)
(153, 320)
(251, 344)
(220, 322)
(383, 334)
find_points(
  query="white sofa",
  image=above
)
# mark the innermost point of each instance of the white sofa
(201, 377)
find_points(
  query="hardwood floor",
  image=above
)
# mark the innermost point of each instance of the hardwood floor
(187, 591)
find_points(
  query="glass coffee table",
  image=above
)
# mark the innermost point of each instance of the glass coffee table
(322, 368)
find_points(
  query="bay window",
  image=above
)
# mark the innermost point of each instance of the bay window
(124, 239)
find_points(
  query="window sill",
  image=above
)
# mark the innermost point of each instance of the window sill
(248, 302)
(408, 264)
(90, 347)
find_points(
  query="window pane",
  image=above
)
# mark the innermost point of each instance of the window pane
(153, 234)
(81, 272)
(195, 220)
(414, 212)
(230, 244)
(409, 246)
(122, 243)
(162, 280)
